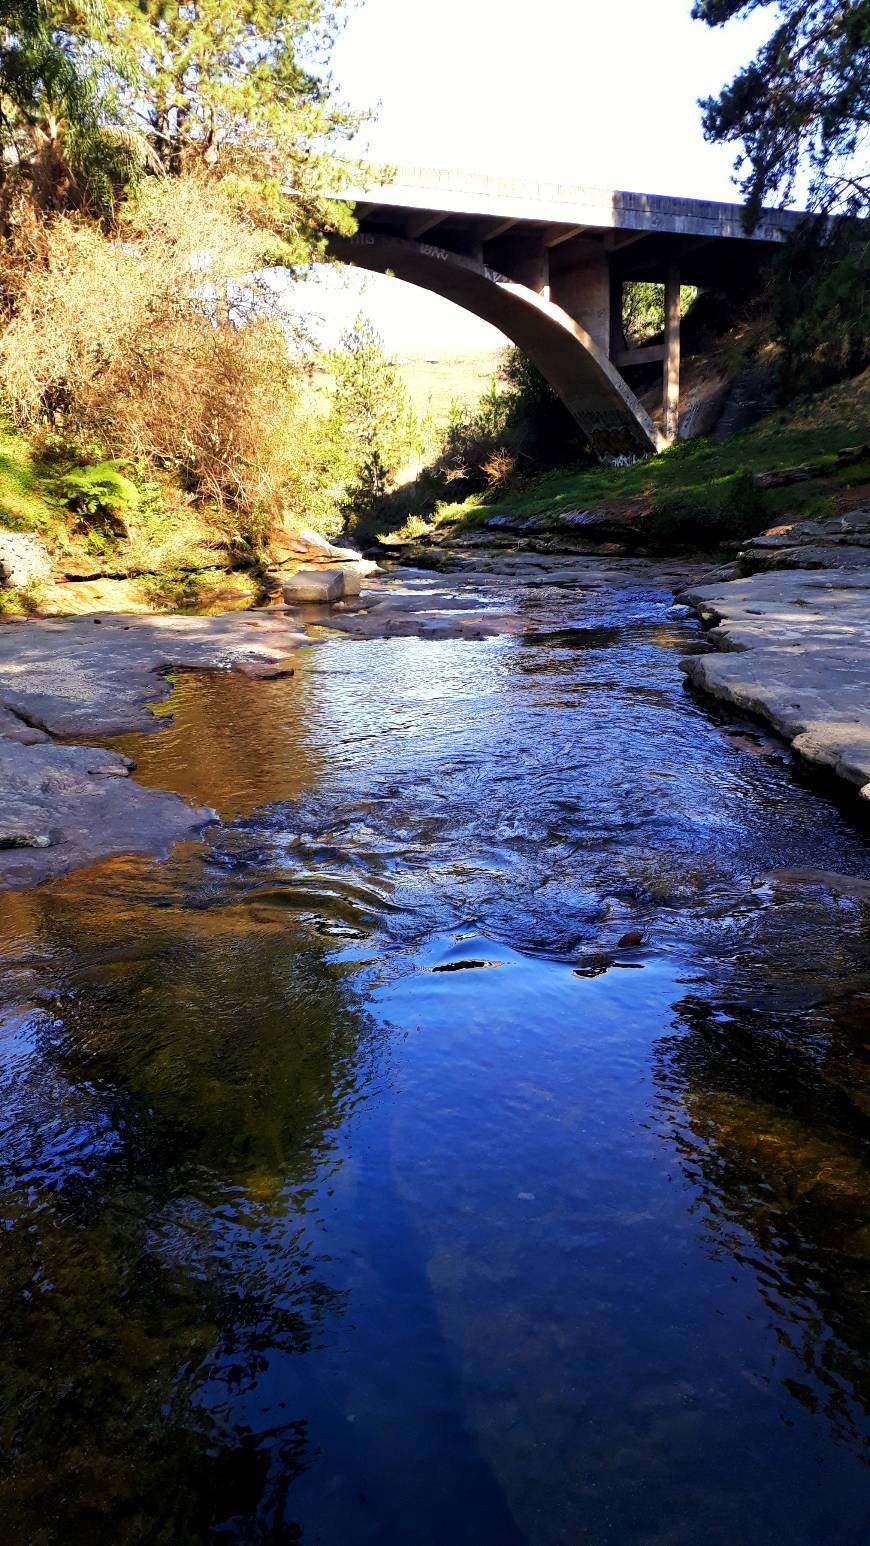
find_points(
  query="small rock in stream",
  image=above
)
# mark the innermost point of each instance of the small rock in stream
(633, 937)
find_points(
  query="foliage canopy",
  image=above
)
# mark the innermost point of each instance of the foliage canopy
(94, 93)
(239, 88)
(803, 101)
(65, 141)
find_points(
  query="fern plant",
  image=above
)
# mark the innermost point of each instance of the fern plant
(101, 491)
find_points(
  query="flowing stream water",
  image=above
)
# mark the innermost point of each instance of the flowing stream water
(358, 1186)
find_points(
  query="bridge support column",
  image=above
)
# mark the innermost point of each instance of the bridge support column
(671, 373)
(532, 268)
(617, 337)
(584, 290)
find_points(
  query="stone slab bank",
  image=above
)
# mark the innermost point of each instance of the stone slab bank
(794, 649)
(64, 806)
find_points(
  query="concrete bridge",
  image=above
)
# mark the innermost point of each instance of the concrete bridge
(546, 265)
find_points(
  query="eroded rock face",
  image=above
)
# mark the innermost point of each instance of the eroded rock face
(288, 547)
(24, 560)
(836, 542)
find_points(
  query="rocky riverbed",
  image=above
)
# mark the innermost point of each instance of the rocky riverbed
(466, 1128)
(792, 645)
(92, 677)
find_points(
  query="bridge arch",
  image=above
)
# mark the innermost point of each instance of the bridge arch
(567, 356)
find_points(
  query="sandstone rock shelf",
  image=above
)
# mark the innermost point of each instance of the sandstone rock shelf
(794, 643)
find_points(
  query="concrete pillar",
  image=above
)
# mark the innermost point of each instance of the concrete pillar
(531, 267)
(671, 374)
(580, 284)
(617, 337)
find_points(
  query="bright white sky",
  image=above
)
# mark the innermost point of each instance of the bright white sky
(601, 92)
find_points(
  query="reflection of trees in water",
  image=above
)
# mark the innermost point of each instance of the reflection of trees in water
(760, 1109)
(232, 743)
(168, 1133)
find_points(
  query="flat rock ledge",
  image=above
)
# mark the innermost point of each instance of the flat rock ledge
(93, 676)
(794, 650)
(63, 806)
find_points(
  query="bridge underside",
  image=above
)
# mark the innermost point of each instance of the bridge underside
(549, 274)
(565, 353)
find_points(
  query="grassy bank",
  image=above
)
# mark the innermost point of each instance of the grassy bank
(104, 523)
(26, 499)
(696, 493)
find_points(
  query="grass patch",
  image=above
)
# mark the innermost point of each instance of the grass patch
(702, 486)
(27, 502)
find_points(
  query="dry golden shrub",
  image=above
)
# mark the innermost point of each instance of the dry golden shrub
(134, 342)
(498, 466)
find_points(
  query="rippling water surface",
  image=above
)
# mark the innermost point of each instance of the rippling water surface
(359, 1187)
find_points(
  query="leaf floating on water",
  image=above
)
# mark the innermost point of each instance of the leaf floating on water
(463, 966)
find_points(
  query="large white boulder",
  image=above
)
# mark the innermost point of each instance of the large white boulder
(314, 585)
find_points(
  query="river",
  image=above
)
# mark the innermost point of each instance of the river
(359, 1186)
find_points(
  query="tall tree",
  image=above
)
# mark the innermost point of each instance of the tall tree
(372, 424)
(802, 103)
(239, 88)
(62, 129)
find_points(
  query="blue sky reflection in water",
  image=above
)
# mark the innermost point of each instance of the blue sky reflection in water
(359, 1188)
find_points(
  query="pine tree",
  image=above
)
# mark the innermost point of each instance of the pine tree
(63, 133)
(803, 102)
(241, 89)
(372, 421)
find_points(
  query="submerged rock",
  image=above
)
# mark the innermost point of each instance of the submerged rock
(14, 835)
(855, 886)
(633, 937)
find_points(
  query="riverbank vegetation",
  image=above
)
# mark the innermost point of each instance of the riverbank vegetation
(163, 180)
(798, 112)
(698, 494)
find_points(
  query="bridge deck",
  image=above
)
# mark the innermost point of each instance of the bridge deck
(468, 195)
(547, 264)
